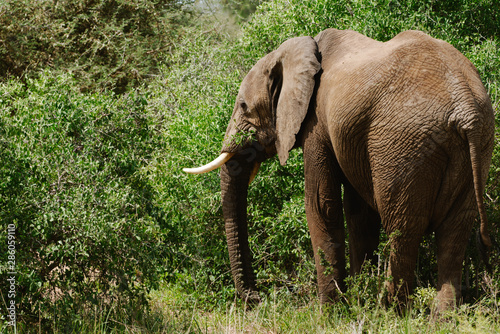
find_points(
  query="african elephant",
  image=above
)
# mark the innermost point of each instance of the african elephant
(405, 127)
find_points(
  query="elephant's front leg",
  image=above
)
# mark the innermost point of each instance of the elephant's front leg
(325, 219)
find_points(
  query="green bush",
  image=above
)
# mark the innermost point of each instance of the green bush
(461, 22)
(73, 181)
(113, 44)
(198, 90)
(242, 9)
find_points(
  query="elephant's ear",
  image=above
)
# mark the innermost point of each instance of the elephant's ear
(296, 65)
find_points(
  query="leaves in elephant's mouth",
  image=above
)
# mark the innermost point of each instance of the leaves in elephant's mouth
(242, 137)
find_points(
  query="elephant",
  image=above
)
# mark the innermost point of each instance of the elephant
(395, 135)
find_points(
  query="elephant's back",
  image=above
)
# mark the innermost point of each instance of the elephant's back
(343, 47)
(411, 77)
(349, 58)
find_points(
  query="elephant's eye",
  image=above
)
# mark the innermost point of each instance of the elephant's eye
(243, 106)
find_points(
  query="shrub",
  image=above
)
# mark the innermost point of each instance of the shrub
(73, 181)
(105, 44)
(242, 9)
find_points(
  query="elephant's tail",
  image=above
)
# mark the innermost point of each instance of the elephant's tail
(483, 237)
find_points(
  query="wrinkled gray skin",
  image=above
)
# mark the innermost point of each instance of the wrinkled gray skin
(405, 126)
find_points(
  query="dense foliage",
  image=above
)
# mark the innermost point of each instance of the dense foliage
(104, 43)
(73, 185)
(92, 181)
(242, 9)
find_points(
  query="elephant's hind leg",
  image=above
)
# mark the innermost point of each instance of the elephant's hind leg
(452, 238)
(404, 242)
(364, 229)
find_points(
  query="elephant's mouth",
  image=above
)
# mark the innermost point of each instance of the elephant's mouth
(239, 138)
(250, 145)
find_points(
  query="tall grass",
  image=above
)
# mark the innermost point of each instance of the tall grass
(285, 312)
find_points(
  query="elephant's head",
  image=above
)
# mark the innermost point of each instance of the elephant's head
(271, 105)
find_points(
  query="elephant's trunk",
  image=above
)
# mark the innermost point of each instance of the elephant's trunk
(235, 176)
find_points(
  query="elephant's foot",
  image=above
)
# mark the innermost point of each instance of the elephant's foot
(250, 297)
(398, 295)
(331, 292)
(447, 298)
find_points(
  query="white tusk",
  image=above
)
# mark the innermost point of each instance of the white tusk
(221, 160)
